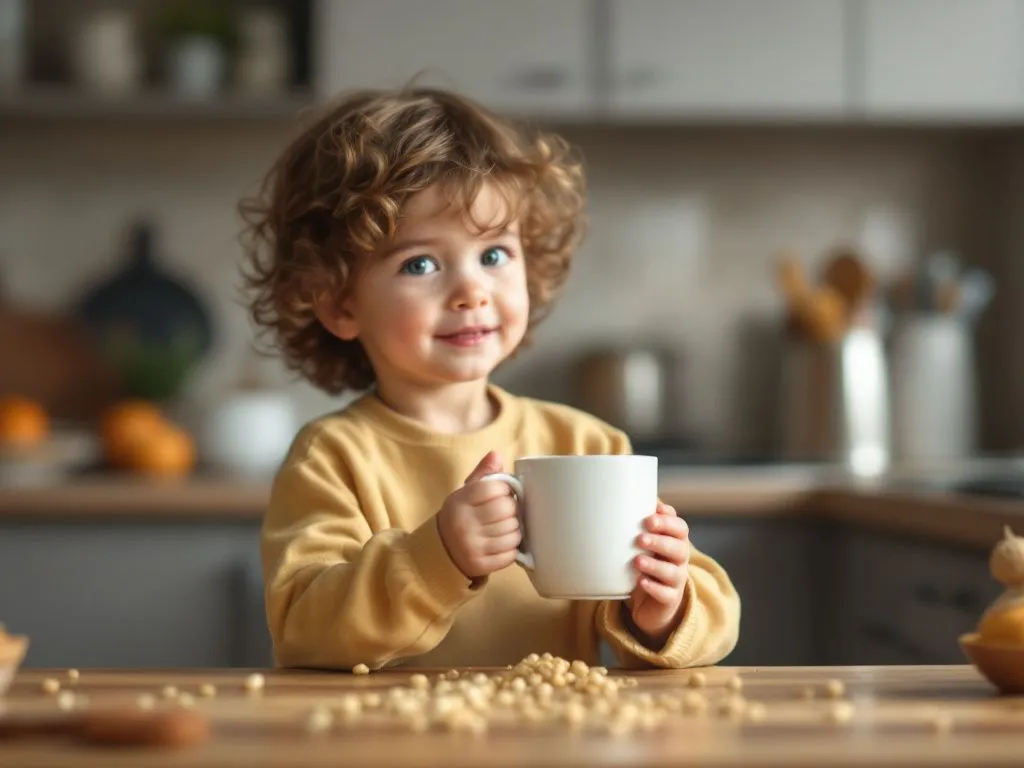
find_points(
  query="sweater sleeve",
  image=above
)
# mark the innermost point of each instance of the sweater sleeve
(708, 629)
(338, 594)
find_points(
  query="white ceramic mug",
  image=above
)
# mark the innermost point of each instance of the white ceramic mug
(580, 517)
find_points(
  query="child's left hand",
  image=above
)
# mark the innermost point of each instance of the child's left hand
(656, 603)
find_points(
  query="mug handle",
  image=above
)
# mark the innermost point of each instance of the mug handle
(524, 558)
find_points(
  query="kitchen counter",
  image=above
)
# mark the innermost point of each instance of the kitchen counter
(696, 492)
(140, 498)
(927, 715)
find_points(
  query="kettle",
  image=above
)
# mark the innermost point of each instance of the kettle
(632, 388)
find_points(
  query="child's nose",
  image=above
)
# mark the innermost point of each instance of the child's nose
(469, 294)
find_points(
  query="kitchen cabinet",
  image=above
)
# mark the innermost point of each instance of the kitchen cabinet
(135, 594)
(904, 601)
(952, 59)
(154, 594)
(530, 56)
(731, 58)
(773, 565)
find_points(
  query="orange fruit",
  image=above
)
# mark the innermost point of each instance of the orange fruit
(127, 424)
(24, 423)
(166, 452)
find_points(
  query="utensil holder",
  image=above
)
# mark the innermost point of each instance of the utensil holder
(835, 402)
(934, 390)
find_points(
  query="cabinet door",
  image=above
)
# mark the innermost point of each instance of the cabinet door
(132, 594)
(959, 58)
(528, 57)
(906, 601)
(727, 57)
(770, 564)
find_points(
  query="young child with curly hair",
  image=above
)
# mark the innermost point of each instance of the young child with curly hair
(404, 246)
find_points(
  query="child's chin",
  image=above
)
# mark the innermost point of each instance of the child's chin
(468, 371)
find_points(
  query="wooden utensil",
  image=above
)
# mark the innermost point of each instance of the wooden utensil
(792, 278)
(947, 297)
(848, 275)
(822, 314)
(114, 727)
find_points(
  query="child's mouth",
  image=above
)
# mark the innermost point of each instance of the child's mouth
(468, 337)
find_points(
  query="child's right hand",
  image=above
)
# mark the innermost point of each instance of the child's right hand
(478, 523)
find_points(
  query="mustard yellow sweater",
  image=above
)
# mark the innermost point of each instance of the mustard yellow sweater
(356, 572)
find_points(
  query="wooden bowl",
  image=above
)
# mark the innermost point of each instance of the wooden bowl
(1001, 665)
(12, 652)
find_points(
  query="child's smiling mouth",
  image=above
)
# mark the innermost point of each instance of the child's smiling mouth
(470, 336)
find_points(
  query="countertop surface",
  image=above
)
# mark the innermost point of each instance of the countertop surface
(881, 716)
(918, 504)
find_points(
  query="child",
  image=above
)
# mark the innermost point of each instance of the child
(406, 244)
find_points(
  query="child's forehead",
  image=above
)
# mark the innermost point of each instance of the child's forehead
(437, 207)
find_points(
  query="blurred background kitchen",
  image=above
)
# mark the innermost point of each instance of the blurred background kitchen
(804, 255)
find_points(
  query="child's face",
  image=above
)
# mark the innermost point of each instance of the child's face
(444, 303)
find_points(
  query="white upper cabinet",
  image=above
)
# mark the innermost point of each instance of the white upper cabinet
(730, 58)
(943, 58)
(525, 57)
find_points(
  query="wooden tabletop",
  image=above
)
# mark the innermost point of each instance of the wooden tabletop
(882, 716)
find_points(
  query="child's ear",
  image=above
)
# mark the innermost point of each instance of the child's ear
(336, 316)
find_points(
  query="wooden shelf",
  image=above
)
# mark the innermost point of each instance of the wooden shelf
(60, 102)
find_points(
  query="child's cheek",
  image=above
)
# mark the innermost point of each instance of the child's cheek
(409, 321)
(516, 309)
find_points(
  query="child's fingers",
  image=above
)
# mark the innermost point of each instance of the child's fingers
(490, 463)
(658, 591)
(501, 527)
(662, 570)
(492, 563)
(485, 491)
(665, 509)
(670, 525)
(497, 545)
(672, 549)
(495, 511)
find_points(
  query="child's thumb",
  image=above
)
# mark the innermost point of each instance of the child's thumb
(490, 463)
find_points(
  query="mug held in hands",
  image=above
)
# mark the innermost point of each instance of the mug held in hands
(580, 518)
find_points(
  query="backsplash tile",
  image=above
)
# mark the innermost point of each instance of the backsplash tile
(685, 226)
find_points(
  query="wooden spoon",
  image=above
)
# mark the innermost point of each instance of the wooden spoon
(823, 315)
(114, 727)
(852, 280)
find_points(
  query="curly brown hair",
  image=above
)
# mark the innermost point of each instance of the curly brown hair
(335, 195)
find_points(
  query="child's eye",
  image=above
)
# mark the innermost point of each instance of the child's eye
(421, 265)
(494, 257)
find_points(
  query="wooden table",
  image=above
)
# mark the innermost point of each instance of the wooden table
(893, 722)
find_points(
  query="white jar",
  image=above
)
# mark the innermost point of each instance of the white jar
(106, 53)
(197, 66)
(248, 433)
(934, 390)
(263, 64)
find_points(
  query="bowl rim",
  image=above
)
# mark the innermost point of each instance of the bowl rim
(975, 640)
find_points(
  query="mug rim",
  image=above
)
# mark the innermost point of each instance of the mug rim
(587, 457)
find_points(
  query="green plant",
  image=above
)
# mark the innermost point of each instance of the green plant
(211, 18)
(152, 371)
